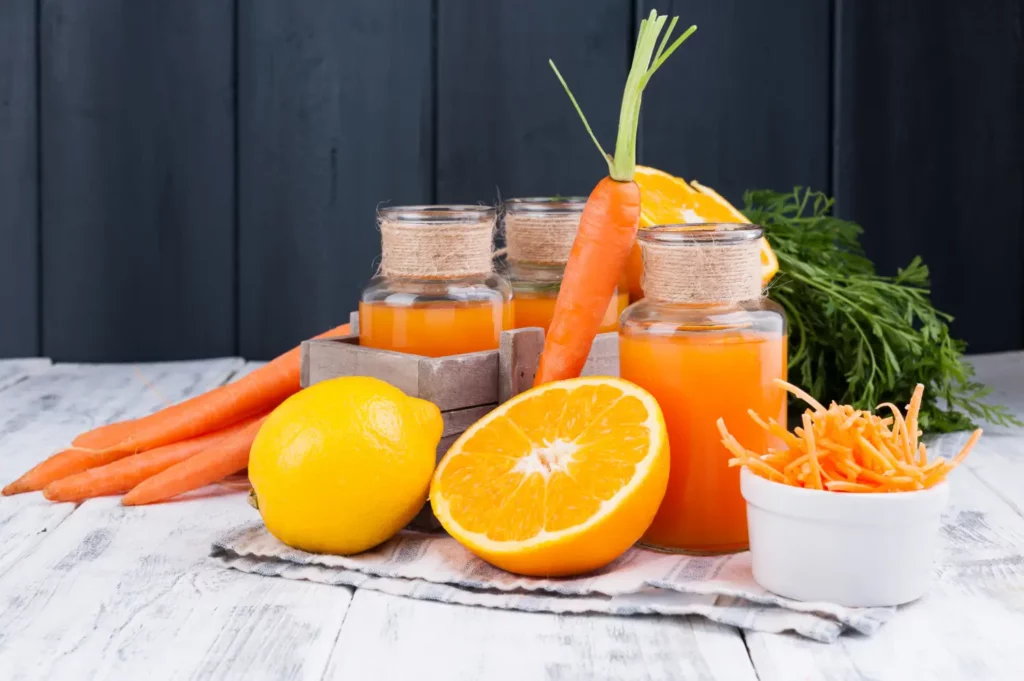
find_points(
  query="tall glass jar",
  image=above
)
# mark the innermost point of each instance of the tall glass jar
(539, 232)
(707, 345)
(436, 293)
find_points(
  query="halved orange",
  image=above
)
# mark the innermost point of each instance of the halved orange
(560, 480)
(666, 200)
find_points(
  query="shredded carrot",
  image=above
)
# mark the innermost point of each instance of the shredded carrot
(842, 449)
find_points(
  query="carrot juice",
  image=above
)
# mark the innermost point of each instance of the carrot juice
(697, 379)
(539, 233)
(708, 345)
(434, 329)
(539, 309)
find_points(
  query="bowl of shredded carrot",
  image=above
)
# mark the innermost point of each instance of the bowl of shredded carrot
(847, 508)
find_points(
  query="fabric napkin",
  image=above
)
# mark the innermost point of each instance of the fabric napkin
(437, 568)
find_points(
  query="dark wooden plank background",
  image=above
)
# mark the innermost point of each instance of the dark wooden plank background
(930, 150)
(19, 224)
(335, 110)
(199, 178)
(138, 220)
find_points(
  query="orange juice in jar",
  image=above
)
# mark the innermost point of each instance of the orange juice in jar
(539, 233)
(707, 346)
(437, 294)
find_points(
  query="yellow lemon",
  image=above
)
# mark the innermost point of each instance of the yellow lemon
(343, 465)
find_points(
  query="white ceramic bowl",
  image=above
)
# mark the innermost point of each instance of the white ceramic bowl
(856, 550)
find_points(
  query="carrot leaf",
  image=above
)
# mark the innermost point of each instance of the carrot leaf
(622, 165)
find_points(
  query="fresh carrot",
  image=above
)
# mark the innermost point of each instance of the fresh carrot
(855, 444)
(105, 436)
(228, 456)
(609, 221)
(255, 393)
(121, 476)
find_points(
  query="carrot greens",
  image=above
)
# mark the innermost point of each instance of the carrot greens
(858, 337)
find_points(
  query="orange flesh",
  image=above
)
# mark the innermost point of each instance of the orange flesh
(538, 310)
(697, 379)
(556, 460)
(434, 329)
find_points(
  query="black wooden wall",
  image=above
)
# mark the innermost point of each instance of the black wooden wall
(199, 177)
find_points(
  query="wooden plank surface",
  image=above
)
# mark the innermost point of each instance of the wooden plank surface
(44, 412)
(137, 179)
(118, 593)
(19, 188)
(744, 103)
(925, 124)
(388, 637)
(14, 370)
(335, 114)
(504, 124)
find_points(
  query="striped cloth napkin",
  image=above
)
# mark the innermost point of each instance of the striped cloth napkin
(435, 567)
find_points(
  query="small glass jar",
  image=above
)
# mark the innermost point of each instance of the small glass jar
(436, 294)
(539, 232)
(707, 345)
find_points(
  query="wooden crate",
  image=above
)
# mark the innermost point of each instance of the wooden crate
(464, 387)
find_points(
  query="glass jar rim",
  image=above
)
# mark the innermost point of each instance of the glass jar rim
(701, 232)
(439, 214)
(545, 204)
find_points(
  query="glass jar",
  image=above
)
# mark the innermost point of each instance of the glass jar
(707, 345)
(539, 232)
(436, 293)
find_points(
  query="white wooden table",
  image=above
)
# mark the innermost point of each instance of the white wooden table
(101, 591)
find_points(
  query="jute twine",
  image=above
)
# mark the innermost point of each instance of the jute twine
(436, 250)
(543, 238)
(702, 271)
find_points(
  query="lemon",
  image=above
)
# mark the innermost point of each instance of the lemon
(343, 465)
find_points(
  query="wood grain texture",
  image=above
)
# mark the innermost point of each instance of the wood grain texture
(744, 103)
(387, 637)
(119, 593)
(453, 382)
(49, 406)
(137, 171)
(46, 411)
(925, 126)
(603, 359)
(335, 116)
(19, 187)
(518, 357)
(504, 124)
(14, 370)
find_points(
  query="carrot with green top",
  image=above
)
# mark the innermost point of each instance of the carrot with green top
(609, 222)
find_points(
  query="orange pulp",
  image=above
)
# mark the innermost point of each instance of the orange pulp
(539, 309)
(434, 329)
(698, 378)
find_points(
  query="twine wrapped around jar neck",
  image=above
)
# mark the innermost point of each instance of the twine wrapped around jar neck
(702, 263)
(436, 242)
(542, 230)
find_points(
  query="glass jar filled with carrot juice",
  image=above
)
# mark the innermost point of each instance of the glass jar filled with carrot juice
(707, 345)
(437, 293)
(539, 233)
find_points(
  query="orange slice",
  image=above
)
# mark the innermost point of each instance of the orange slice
(666, 200)
(559, 480)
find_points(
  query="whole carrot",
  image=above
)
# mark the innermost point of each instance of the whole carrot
(215, 463)
(121, 476)
(255, 393)
(105, 436)
(609, 221)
